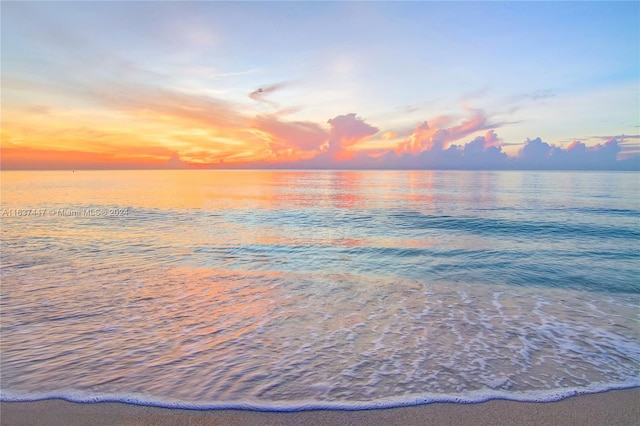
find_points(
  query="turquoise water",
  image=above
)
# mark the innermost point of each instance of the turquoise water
(325, 289)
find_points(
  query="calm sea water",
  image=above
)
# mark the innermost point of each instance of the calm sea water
(294, 289)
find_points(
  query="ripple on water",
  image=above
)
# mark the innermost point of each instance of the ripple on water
(221, 337)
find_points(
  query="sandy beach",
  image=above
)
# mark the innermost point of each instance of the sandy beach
(620, 407)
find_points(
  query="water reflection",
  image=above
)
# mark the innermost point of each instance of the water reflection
(326, 286)
(343, 190)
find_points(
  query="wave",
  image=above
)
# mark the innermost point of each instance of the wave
(305, 405)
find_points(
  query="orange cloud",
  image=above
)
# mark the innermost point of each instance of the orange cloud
(20, 158)
(290, 138)
(389, 135)
(346, 131)
(426, 137)
(491, 139)
(139, 120)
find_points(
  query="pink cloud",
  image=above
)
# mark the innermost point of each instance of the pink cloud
(290, 136)
(346, 131)
(491, 139)
(426, 137)
(577, 146)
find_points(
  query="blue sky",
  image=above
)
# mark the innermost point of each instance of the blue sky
(258, 82)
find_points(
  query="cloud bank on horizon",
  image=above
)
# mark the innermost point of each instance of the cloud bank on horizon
(432, 147)
(332, 85)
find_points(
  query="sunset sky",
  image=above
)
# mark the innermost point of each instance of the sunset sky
(320, 84)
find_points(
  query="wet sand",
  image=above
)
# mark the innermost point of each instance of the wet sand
(620, 407)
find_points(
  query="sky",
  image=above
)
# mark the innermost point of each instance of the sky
(347, 85)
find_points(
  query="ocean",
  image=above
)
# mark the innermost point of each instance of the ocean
(289, 290)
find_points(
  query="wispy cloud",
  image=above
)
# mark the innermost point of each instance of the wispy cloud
(261, 93)
(25, 158)
(618, 137)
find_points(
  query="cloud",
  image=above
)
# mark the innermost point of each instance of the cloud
(629, 146)
(539, 155)
(536, 95)
(261, 93)
(428, 137)
(286, 138)
(491, 139)
(483, 152)
(389, 135)
(176, 163)
(338, 150)
(166, 105)
(137, 125)
(201, 129)
(619, 137)
(346, 131)
(536, 153)
(23, 158)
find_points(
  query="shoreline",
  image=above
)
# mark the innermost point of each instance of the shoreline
(619, 407)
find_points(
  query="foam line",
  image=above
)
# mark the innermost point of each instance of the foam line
(302, 405)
